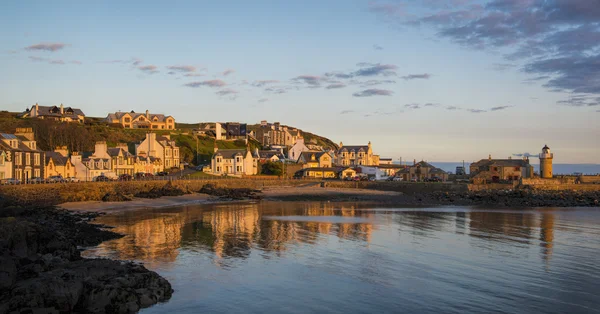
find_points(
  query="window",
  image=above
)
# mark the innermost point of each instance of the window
(162, 126)
(36, 159)
(517, 168)
(239, 168)
(27, 159)
(36, 173)
(17, 158)
(2, 160)
(218, 169)
(50, 166)
(1, 175)
(155, 126)
(127, 119)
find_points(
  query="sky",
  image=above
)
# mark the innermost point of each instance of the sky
(420, 79)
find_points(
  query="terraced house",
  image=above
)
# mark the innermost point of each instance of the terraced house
(134, 120)
(160, 147)
(123, 162)
(21, 149)
(59, 163)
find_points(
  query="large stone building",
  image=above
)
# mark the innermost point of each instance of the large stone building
(356, 155)
(421, 171)
(495, 170)
(123, 162)
(133, 120)
(21, 150)
(160, 147)
(276, 134)
(235, 162)
(58, 113)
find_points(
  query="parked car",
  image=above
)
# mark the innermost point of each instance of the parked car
(162, 173)
(397, 179)
(71, 180)
(101, 178)
(36, 180)
(11, 181)
(148, 175)
(125, 177)
(56, 179)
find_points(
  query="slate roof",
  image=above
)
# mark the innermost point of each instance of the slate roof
(267, 154)
(135, 115)
(230, 153)
(355, 148)
(59, 160)
(114, 152)
(54, 111)
(501, 163)
(307, 156)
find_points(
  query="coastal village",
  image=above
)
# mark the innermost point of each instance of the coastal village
(278, 150)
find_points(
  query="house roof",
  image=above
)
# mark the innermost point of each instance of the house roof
(355, 148)
(307, 156)
(230, 153)
(501, 163)
(54, 111)
(114, 152)
(135, 115)
(269, 154)
(58, 159)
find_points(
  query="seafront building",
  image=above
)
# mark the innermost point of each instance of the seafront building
(22, 158)
(161, 147)
(356, 155)
(495, 170)
(58, 163)
(421, 171)
(236, 162)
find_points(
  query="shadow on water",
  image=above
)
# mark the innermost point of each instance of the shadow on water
(222, 258)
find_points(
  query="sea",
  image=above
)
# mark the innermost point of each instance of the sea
(558, 169)
(326, 257)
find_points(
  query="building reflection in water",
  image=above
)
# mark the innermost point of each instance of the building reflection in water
(234, 230)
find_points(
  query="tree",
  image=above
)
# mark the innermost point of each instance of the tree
(272, 168)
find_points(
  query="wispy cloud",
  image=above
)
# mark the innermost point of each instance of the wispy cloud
(47, 47)
(335, 86)
(476, 110)
(431, 105)
(375, 82)
(373, 92)
(412, 106)
(53, 61)
(369, 69)
(452, 108)
(149, 69)
(499, 108)
(377, 47)
(209, 83)
(311, 80)
(424, 76)
(228, 71)
(226, 92)
(346, 111)
(194, 74)
(261, 83)
(503, 66)
(524, 155)
(263, 100)
(182, 68)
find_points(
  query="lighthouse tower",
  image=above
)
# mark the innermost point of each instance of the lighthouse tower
(546, 163)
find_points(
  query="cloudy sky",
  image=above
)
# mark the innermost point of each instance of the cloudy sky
(421, 79)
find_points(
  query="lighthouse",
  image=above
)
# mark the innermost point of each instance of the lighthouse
(546, 163)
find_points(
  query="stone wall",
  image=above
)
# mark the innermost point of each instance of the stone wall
(590, 179)
(404, 187)
(554, 181)
(492, 186)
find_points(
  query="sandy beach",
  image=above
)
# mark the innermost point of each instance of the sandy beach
(269, 193)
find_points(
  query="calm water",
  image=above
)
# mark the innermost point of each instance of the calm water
(341, 258)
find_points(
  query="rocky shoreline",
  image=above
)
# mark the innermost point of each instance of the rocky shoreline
(42, 271)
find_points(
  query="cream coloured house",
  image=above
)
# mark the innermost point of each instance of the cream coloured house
(356, 155)
(160, 147)
(59, 163)
(315, 160)
(134, 120)
(58, 113)
(6, 168)
(234, 162)
(296, 149)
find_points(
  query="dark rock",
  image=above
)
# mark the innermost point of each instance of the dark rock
(117, 197)
(230, 193)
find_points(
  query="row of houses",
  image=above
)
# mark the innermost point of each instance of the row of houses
(21, 159)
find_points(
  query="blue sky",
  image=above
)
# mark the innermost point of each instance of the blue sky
(434, 80)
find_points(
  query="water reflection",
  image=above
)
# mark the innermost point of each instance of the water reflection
(222, 258)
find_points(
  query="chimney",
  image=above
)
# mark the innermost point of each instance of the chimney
(37, 108)
(147, 114)
(341, 144)
(26, 132)
(490, 157)
(414, 162)
(100, 148)
(62, 109)
(62, 150)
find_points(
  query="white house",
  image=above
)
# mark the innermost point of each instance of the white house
(6, 168)
(297, 149)
(234, 162)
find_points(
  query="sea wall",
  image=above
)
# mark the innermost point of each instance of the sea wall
(548, 182)
(52, 194)
(404, 187)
